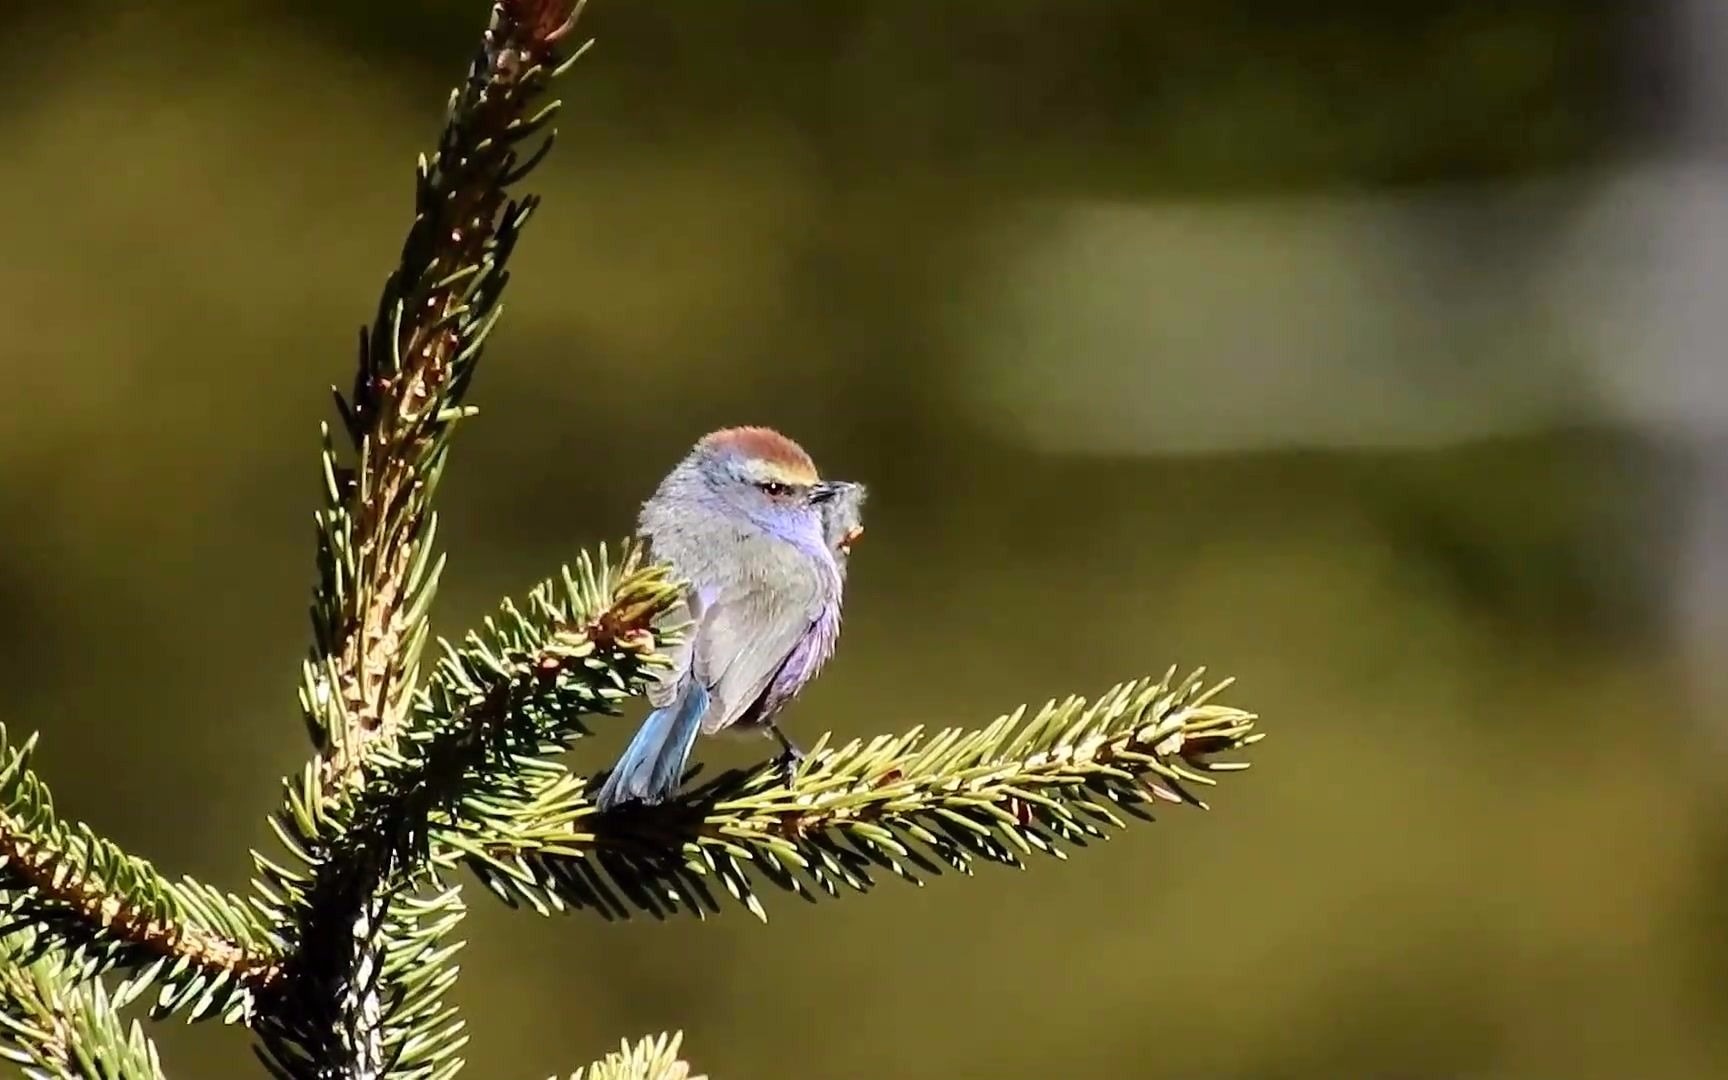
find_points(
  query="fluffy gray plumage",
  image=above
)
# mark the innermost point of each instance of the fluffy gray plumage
(746, 521)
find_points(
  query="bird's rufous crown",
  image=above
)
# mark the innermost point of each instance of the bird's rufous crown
(768, 446)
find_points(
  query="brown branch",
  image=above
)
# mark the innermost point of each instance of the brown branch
(53, 878)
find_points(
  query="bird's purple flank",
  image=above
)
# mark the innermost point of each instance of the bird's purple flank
(806, 659)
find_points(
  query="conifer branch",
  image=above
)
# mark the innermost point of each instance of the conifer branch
(909, 804)
(653, 1058)
(357, 820)
(57, 1025)
(492, 717)
(109, 910)
(377, 574)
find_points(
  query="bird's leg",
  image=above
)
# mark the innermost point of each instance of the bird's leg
(790, 756)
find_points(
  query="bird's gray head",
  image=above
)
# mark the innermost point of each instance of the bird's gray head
(758, 475)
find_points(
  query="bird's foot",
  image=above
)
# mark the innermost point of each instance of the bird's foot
(790, 755)
(786, 763)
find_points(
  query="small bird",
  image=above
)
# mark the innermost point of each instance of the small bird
(741, 519)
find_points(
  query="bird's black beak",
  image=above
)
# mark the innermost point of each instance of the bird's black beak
(823, 490)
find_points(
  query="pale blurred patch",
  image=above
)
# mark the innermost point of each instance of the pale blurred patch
(1365, 321)
(1421, 319)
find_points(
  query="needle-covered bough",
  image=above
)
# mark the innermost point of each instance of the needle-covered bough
(340, 954)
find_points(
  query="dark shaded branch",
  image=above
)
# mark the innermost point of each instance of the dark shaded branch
(493, 712)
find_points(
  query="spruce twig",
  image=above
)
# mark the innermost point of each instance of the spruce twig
(377, 572)
(356, 821)
(56, 1026)
(654, 1058)
(910, 804)
(109, 910)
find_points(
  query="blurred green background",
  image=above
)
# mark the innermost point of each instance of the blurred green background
(1353, 349)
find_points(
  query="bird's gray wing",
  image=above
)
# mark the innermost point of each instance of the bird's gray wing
(744, 638)
(664, 690)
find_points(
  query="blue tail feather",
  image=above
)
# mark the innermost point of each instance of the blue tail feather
(653, 763)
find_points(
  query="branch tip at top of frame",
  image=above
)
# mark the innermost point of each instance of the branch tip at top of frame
(547, 22)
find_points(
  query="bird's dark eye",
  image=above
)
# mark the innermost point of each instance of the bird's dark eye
(774, 487)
